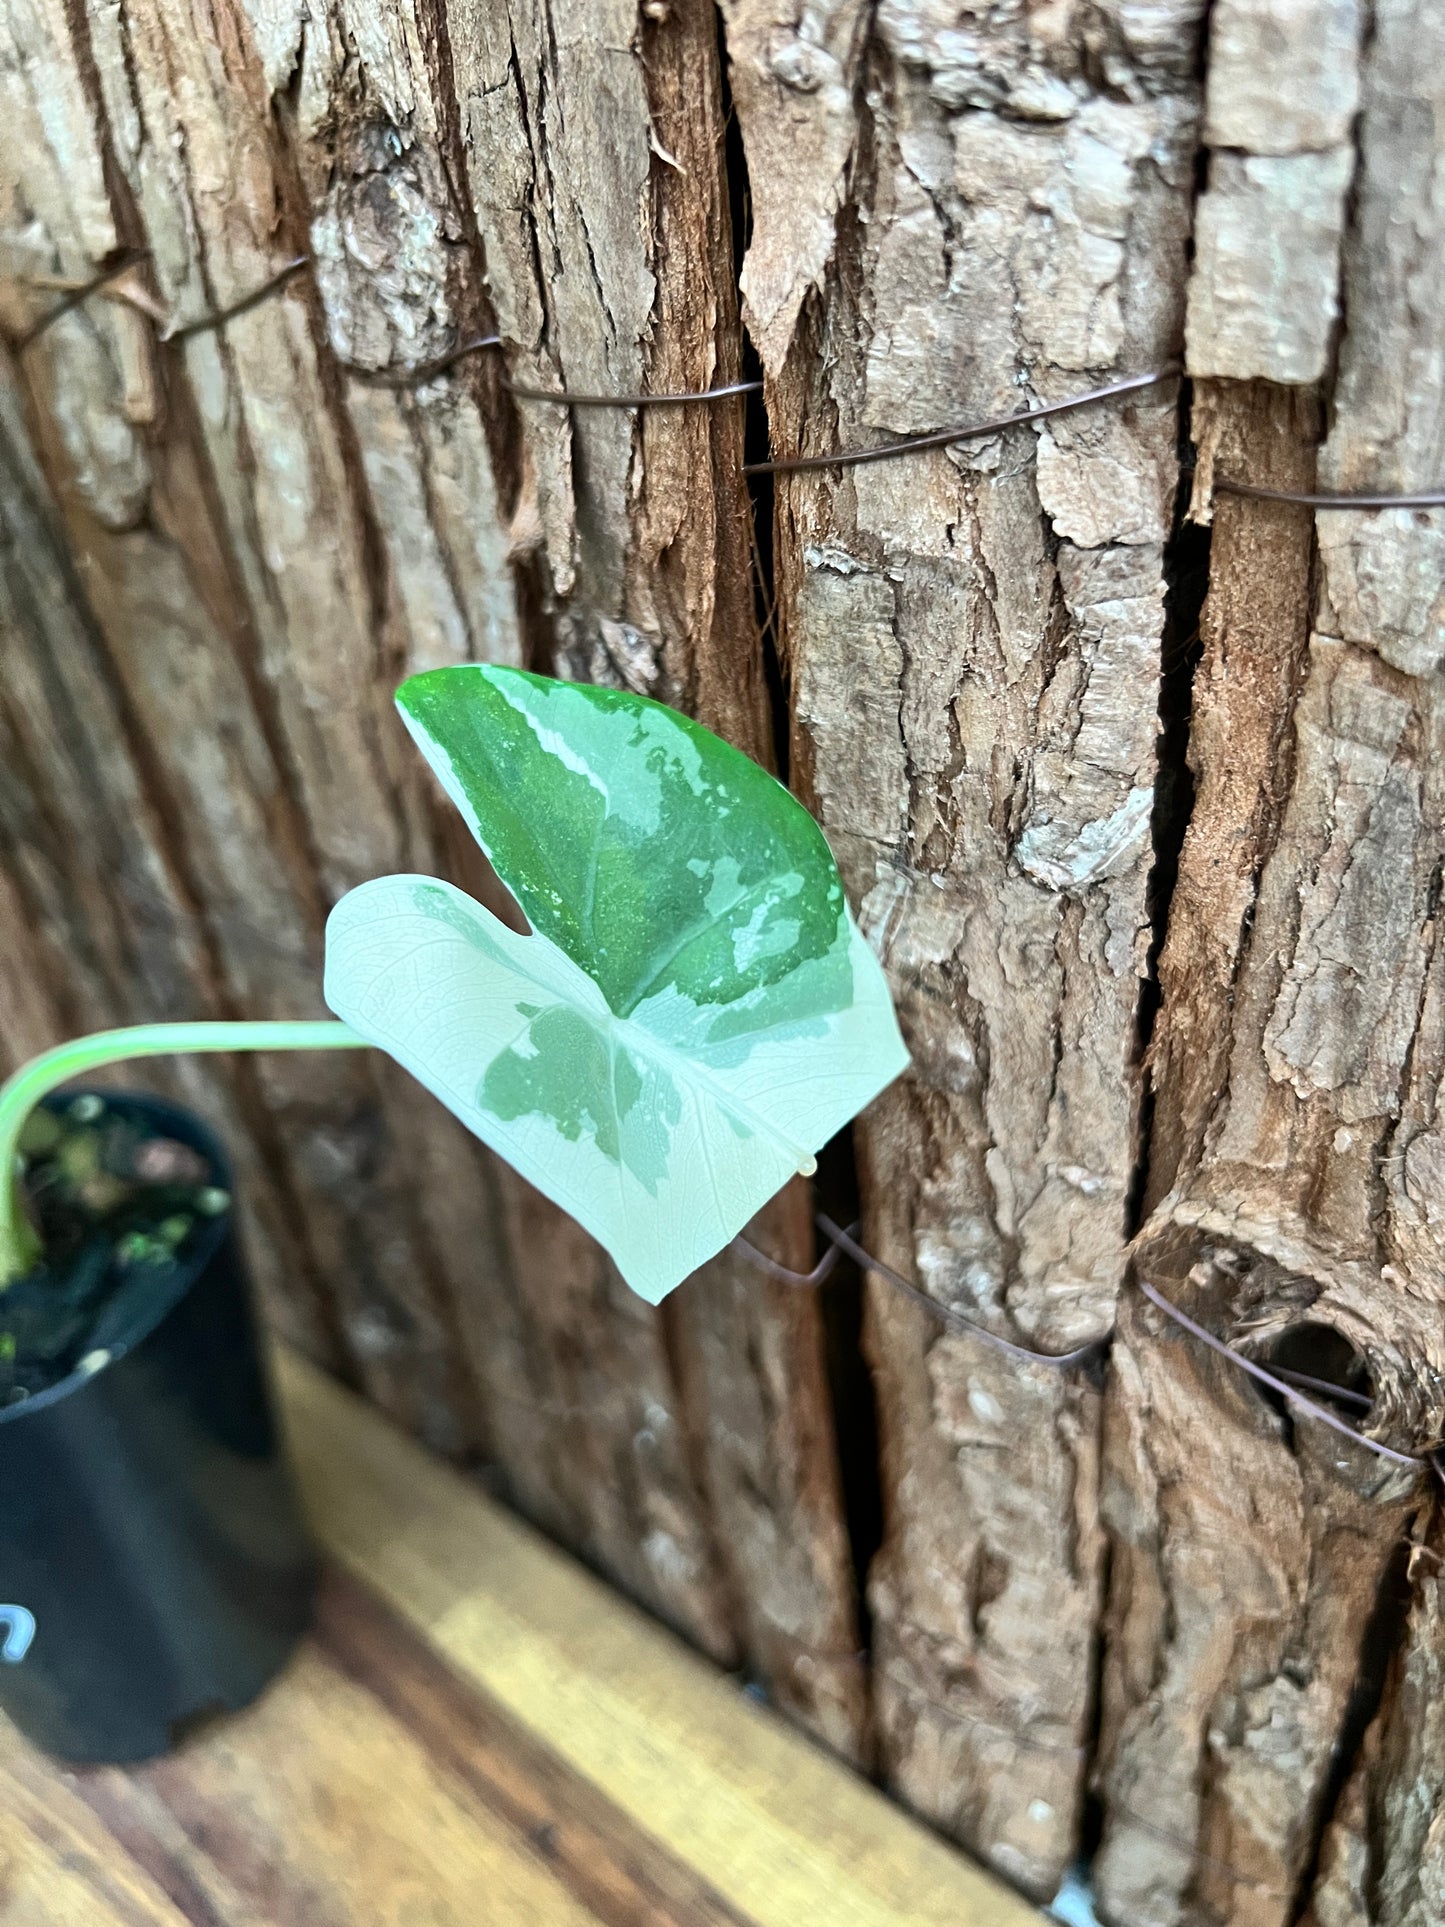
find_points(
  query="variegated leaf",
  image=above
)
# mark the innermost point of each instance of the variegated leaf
(694, 1013)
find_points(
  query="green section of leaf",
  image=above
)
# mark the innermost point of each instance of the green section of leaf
(650, 851)
(694, 1013)
(583, 1078)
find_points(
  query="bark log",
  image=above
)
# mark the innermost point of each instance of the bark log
(227, 549)
(1297, 1063)
(973, 644)
(1383, 1857)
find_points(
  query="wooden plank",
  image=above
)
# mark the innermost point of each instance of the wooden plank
(620, 1871)
(779, 1830)
(58, 1865)
(319, 1805)
(369, 1788)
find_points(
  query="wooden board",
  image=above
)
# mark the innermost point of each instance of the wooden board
(477, 1732)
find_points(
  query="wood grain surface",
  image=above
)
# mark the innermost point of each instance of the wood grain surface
(476, 1732)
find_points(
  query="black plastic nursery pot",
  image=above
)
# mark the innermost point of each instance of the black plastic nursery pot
(155, 1567)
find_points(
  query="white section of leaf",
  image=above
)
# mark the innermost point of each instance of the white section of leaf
(446, 1004)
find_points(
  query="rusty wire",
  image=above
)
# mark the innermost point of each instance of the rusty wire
(1274, 1381)
(72, 299)
(1289, 1384)
(572, 398)
(782, 1274)
(955, 1320)
(972, 431)
(524, 391)
(204, 324)
(1340, 1392)
(1426, 499)
(784, 465)
(424, 371)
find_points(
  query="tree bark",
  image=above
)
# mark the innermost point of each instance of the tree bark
(225, 552)
(1297, 1063)
(1145, 815)
(1383, 1860)
(973, 643)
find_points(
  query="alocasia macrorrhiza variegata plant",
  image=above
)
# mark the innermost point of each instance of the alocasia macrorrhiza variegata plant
(692, 1016)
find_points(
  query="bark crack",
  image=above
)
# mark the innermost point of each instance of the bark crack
(1383, 1634)
(1186, 578)
(500, 417)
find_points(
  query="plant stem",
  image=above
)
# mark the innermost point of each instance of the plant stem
(19, 1246)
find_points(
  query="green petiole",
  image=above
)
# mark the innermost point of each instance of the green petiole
(19, 1246)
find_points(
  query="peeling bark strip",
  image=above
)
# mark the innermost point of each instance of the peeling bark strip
(973, 644)
(1281, 97)
(1297, 1064)
(224, 552)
